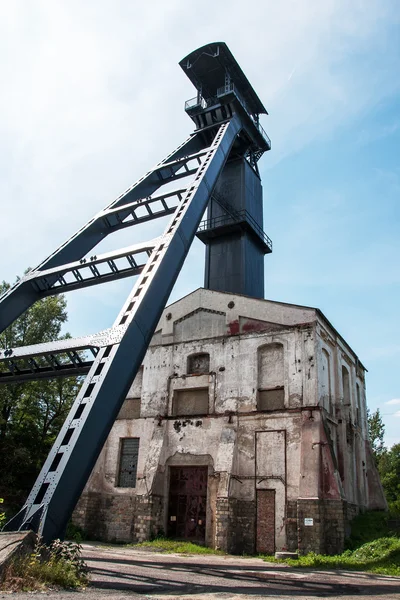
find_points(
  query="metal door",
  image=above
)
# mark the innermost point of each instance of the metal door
(188, 503)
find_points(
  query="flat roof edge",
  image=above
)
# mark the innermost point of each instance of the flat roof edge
(211, 49)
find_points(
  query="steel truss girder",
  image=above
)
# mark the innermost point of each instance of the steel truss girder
(143, 210)
(185, 161)
(89, 422)
(70, 356)
(96, 269)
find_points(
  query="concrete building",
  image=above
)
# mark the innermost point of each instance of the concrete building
(245, 429)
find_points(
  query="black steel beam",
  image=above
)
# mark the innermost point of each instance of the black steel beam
(82, 436)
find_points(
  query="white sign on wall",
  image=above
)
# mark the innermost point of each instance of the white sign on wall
(308, 522)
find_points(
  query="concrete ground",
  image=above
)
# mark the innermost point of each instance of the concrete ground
(118, 573)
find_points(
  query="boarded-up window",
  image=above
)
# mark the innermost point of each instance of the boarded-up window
(358, 413)
(271, 392)
(128, 461)
(271, 399)
(198, 364)
(130, 409)
(271, 454)
(136, 387)
(346, 386)
(190, 402)
(325, 381)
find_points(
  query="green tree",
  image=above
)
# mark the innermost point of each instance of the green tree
(387, 461)
(389, 470)
(32, 413)
(376, 432)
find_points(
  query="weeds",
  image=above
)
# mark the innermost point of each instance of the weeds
(2, 515)
(75, 533)
(59, 565)
(367, 527)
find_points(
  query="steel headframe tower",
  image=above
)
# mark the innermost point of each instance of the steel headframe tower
(226, 112)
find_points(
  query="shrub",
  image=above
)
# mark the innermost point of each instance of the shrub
(75, 533)
(2, 515)
(57, 565)
(366, 527)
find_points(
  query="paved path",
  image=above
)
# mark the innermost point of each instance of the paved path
(119, 573)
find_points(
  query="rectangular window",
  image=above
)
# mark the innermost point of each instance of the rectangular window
(190, 402)
(128, 461)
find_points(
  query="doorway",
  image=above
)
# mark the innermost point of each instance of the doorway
(187, 505)
(266, 521)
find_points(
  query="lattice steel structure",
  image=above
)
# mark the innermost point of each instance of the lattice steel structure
(226, 113)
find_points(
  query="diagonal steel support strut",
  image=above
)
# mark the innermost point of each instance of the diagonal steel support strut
(142, 207)
(119, 351)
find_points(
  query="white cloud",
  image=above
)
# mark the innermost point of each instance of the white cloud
(397, 414)
(393, 402)
(92, 95)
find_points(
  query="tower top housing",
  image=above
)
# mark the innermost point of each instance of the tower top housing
(222, 90)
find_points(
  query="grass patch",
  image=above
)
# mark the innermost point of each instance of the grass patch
(47, 567)
(378, 556)
(168, 546)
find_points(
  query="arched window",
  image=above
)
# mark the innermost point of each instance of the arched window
(271, 390)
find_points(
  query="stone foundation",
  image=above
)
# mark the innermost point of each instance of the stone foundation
(123, 518)
(241, 529)
(221, 524)
(119, 518)
(331, 525)
(235, 525)
(291, 526)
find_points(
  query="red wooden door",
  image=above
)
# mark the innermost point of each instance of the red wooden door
(187, 503)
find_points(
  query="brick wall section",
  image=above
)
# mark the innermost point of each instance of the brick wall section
(148, 517)
(241, 528)
(291, 526)
(327, 535)
(119, 518)
(122, 518)
(235, 525)
(221, 524)
(310, 538)
(334, 526)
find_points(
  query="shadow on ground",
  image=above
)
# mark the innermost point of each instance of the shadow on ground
(205, 577)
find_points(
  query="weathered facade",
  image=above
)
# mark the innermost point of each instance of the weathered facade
(245, 429)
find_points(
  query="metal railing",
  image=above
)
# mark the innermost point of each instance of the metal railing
(229, 88)
(263, 132)
(236, 217)
(200, 103)
(196, 102)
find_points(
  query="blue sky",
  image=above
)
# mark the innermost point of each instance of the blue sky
(92, 96)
